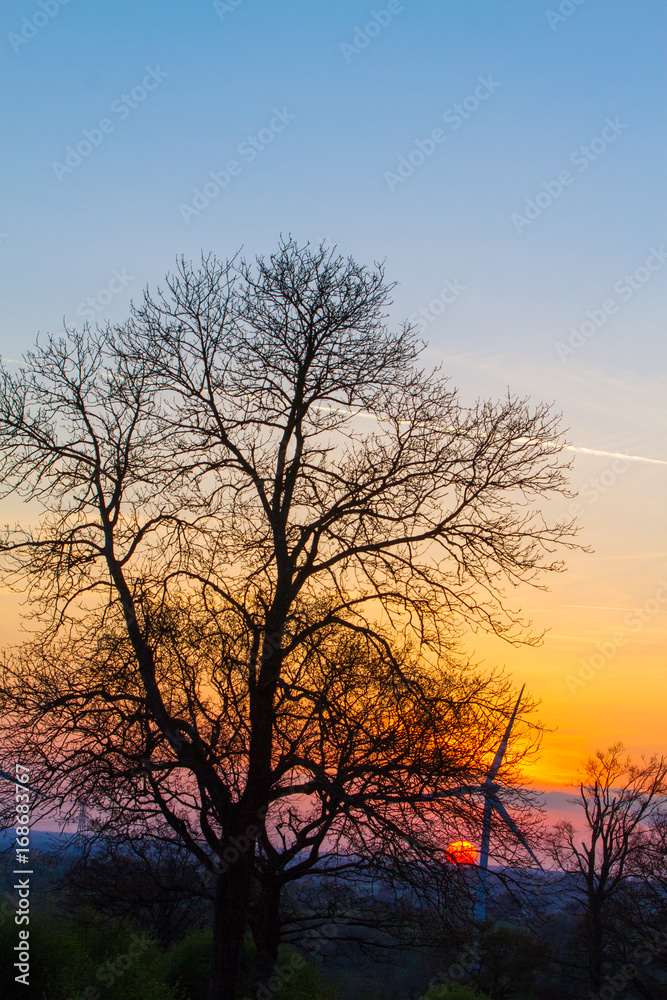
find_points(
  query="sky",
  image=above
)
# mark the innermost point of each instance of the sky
(505, 161)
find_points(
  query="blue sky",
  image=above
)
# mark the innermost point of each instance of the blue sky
(343, 118)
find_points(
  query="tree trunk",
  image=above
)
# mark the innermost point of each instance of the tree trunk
(266, 931)
(230, 911)
(595, 944)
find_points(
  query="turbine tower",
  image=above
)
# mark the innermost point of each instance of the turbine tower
(489, 790)
(83, 819)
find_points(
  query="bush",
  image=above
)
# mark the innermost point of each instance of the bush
(300, 979)
(96, 959)
(460, 991)
(188, 964)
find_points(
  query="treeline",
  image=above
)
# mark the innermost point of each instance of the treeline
(104, 928)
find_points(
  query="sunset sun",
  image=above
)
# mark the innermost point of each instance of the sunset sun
(461, 852)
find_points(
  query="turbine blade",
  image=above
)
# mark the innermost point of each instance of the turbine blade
(505, 816)
(486, 832)
(500, 753)
(460, 790)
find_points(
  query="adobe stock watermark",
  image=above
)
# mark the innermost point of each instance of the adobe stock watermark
(113, 968)
(94, 304)
(581, 159)
(596, 486)
(363, 36)
(643, 954)
(455, 972)
(454, 117)
(235, 847)
(425, 315)
(565, 9)
(224, 7)
(634, 621)
(248, 150)
(314, 944)
(31, 26)
(22, 871)
(625, 288)
(122, 107)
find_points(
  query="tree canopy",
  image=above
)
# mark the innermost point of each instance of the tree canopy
(249, 466)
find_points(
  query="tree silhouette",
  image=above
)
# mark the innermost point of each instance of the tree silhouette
(624, 808)
(255, 441)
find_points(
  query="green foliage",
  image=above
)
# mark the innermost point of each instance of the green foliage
(459, 991)
(298, 979)
(94, 959)
(89, 960)
(513, 962)
(188, 963)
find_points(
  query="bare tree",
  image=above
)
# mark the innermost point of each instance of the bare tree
(624, 808)
(153, 881)
(390, 766)
(255, 440)
(373, 775)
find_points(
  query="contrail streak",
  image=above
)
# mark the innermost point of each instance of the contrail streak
(567, 447)
(615, 454)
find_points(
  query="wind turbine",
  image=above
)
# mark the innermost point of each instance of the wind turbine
(489, 790)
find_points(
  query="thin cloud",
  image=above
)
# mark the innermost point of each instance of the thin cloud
(568, 447)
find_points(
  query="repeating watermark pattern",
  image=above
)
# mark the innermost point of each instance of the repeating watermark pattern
(625, 288)
(284, 972)
(31, 26)
(454, 117)
(236, 846)
(113, 968)
(94, 304)
(377, 22)
(22, 873)
(633, 622)
(564, 10)
(581, 159)
(597, 486)
(460, 967)
(248, 150)
(122, 107)
(643, 954)
(425, 315)
(224, 7)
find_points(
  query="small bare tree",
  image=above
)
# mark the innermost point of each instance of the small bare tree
(625, 812)
(255, 440)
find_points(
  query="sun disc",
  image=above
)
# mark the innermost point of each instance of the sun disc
(461, 852)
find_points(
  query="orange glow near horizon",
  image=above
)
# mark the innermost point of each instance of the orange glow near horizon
(600, 672)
